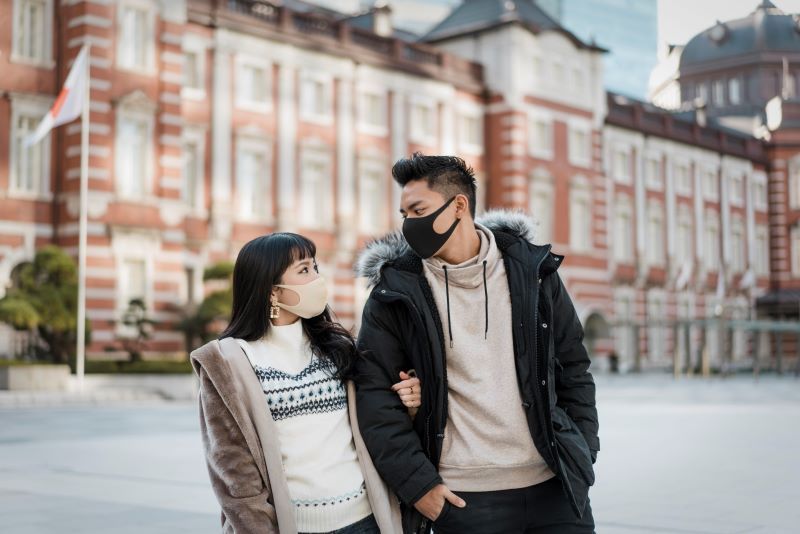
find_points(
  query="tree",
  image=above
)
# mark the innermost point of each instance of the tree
(44, 299)
(198, 320)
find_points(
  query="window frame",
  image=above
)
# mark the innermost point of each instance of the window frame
(46, 60)
(149, 67)
(35, 108)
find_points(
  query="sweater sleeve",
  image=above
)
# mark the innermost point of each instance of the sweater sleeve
(235, 478)
(574, 383)
(393, 444)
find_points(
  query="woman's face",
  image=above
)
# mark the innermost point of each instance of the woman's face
(299, 273)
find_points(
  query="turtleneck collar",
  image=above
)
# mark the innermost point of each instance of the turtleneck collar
(468, 274)
(290, 335)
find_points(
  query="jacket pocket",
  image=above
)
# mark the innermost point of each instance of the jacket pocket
(572, 447)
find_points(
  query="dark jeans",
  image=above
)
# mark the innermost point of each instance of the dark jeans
(365, 526)
(540, 509)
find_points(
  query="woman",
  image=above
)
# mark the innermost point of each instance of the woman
(277, 410)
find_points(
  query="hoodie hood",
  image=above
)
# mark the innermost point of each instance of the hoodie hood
(387, 249)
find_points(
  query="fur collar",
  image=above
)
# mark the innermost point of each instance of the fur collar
(389, 248)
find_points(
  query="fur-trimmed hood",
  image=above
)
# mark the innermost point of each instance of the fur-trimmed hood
(387, 249)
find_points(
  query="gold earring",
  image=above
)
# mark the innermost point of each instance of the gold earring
(274, 310)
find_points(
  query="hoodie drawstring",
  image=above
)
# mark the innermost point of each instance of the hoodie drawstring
(485, 303)
(447, 295)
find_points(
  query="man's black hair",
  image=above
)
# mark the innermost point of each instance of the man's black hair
(448, 175)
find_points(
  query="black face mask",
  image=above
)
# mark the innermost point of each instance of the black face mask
(421, 236)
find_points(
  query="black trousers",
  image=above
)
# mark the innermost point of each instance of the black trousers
(540, 509)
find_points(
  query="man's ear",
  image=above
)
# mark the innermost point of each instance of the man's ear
(462, 205)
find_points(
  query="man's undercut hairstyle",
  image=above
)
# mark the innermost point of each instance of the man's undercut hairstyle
(448, 175)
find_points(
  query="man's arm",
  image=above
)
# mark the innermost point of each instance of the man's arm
(574, 385)
(385, 424)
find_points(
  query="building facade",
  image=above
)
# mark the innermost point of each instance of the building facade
(215, 122)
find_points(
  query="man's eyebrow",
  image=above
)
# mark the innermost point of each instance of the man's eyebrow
(412, 206)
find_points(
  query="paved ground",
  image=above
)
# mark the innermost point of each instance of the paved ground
(678, 457)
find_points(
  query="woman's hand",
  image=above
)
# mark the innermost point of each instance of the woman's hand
(410, 391)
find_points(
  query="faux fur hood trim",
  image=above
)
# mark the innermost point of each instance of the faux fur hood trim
(387, 249)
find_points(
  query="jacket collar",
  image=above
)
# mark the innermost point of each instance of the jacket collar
(510, 228)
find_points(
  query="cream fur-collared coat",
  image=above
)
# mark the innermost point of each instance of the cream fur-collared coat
(243, 451)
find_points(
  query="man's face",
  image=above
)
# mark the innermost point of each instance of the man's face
(419, 200)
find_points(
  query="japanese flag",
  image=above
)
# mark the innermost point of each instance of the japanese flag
(68, 105)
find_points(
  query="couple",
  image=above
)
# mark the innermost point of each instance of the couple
(494, 431)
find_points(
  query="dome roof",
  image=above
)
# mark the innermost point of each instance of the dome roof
(767, 29)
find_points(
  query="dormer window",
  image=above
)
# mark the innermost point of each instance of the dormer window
(719, 32)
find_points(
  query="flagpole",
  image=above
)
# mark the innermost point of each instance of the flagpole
(84, 193)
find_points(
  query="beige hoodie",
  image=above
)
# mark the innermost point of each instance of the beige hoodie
(487, 443)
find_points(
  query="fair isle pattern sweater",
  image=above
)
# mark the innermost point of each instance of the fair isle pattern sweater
(309, 407)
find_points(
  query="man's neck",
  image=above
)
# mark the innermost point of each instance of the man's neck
(465, 244)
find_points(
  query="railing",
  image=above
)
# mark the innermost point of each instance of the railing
(259, 9)
(371, 41)
(314, 24)
(420, 55)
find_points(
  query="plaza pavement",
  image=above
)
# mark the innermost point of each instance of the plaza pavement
(691, 456)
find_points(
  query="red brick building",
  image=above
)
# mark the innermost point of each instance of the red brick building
(213, 122)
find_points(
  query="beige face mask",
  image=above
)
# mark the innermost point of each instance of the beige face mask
(313, 298)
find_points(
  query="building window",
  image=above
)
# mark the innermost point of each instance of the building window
(423, 123)
(653, 174)
(762, 250)
(711, 245)
(558, 74)
(193, 73)
(580, 146)
(794, 183)
(252, 85)
(470, 133)
(623, 230)
(684, 235)
(134, 155)
(371, 201)
(621, 166)
(253, 179)
(736, 185)
(655, 234)
(29, 165)
(136, 37)
(719, 93)
(32, 28)
(625, 340)
(656, 340)
(541, 205)
(795, 251)
(580, 217)
(702, 92)
(760, 199)
(316, 99)
(683, 179)
(738, 245)
(372, 112)
(193, 168)
(734, 91)
(577, 81)
(133, 283)
(711, 185)
(541, 138)
(316, 195)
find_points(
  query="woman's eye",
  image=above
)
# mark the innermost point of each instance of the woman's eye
(304, 270)
(419, 212)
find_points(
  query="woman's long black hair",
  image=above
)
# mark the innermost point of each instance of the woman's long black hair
(259, 266)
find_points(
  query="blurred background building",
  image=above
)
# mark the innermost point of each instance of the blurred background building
(213, 122)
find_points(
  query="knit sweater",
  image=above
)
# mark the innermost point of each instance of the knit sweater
(487, 443)
(309, 407)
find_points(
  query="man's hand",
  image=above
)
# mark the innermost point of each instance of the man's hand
(432, 503)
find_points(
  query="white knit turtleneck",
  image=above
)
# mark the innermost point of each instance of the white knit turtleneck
(310, 410)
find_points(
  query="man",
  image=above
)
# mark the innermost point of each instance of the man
(506, 435)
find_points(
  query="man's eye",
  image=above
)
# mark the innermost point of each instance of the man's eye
(419, 212)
